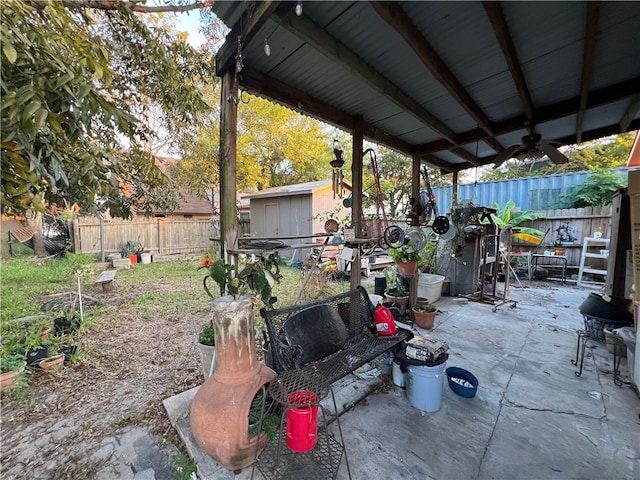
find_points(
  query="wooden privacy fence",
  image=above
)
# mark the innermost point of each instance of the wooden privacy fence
(569, 226)
(156, 235)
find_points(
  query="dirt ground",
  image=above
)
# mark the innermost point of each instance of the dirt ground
(129, 366)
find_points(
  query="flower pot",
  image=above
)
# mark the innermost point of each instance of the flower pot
(408, 268)
(44, 333)
(560, 251)
(36, 355)
(9, 378)
(52, 363)
(424, 319)
(401, 302)
(207, 358)
(68, 351)
(133, 258)
(65, 325)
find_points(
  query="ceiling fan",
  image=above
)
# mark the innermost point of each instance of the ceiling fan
(533, 147)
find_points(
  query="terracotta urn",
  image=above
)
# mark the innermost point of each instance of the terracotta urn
(220, 409)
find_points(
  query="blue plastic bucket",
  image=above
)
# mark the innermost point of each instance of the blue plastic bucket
(424, 386)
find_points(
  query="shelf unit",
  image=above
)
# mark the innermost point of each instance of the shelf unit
(591, 243)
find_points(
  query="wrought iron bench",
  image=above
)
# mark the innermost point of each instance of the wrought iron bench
(333, 335)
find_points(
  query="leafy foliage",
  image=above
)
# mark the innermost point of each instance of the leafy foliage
(510, 214)
(604, 153)
(70, 81)
(597, 190)
(277, 146)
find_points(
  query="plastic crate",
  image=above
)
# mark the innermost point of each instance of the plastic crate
(594, 326)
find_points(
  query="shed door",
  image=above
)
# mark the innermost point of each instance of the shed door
(271, 220)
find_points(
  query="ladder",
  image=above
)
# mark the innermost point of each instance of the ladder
(584, 266)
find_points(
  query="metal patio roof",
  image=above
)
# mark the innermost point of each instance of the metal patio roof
(454, 82)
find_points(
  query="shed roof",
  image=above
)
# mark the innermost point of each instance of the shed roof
(454, 82)
(307, 188)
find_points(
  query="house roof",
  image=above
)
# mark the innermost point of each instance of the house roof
(188, 203)
(453, 82)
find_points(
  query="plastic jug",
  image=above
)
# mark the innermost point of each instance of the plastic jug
(385, 323)
(302, 421)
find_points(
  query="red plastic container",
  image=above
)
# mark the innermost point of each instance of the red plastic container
(302, 421)
(385, 323)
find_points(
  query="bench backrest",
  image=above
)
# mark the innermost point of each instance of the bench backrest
(353, 307)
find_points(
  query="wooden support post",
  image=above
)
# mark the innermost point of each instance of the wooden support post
(227, 161)
(454, 190)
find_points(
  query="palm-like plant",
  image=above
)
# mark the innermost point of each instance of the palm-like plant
(510, 214)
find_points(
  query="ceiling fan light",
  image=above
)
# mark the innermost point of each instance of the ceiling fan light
(298, 8)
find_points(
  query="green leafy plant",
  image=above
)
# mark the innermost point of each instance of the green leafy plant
(257, 277)
(207, 335)
(270, 421)
(425, 307)
(510, 214)
(184, 466)
(405, 253)
(11, 363)
(397, 290)
(427, 258)
(597, 190)
(130, 247)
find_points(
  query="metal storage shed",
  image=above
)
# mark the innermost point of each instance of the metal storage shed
(288, 211)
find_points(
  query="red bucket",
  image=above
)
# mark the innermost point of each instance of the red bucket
(302, 421)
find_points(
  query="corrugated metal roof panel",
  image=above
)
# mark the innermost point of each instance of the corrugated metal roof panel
(297, 189)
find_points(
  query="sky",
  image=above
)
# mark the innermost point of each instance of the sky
(190, 22)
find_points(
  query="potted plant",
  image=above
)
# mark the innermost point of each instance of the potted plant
(406, 257)
(424, 314)
(130, 249)
(399, 295)
(559, 248)
(11, 367)
(257, 277)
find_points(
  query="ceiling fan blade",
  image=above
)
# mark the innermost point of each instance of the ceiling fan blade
(554, 155)
(505, 155)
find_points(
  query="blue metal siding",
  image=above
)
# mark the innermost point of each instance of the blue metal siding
(531, 193)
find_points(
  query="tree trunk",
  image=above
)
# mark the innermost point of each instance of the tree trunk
(34, 219)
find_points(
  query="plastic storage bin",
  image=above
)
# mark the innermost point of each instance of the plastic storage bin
(430, 286)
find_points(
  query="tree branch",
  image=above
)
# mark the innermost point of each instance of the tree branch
(133, 5)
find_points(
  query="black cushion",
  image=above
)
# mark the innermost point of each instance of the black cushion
(316, 332)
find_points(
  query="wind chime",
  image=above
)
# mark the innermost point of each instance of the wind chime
(336, 164)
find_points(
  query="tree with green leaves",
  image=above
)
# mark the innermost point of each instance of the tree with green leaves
(597, 190)
(277, 146)
(74, 85)
(607, 153)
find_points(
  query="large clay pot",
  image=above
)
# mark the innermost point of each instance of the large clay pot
(424, 319)
(408, 268)
(220, 408)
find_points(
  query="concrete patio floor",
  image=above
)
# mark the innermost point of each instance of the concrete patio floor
(532, 418)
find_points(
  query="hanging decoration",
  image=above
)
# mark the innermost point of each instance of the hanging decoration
(337, 164)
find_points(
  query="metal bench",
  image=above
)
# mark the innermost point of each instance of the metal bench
(333, 335)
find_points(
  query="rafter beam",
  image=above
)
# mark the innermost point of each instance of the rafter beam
(316, 37)
(503, 35)
(393, 14)
(588, 60)
(603, 96)
(251, 21)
